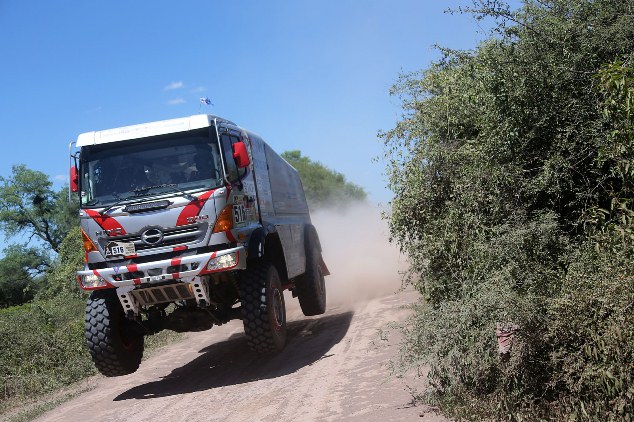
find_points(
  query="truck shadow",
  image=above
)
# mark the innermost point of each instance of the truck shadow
(231, 362)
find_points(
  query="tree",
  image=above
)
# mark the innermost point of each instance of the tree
(30, 207)
(502, 159)
(322, 185)
(20, 267)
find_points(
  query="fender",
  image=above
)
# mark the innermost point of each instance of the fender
(256, 244)
(311, 237)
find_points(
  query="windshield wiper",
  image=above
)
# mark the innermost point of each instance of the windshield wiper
(173, 186)
(117, 202)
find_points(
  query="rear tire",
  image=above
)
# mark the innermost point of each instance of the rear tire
(262, 306)
(115, 349)
(311, 286)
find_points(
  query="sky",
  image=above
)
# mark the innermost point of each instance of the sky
(308, 75)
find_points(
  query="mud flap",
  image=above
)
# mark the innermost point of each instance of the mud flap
(324, 269)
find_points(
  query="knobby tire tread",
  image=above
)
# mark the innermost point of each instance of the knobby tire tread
(258, 327)
(103, 337)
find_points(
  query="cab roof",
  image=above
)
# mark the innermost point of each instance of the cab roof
(145, 130)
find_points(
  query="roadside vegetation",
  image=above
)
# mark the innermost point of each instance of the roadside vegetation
(324, 187)
(41, 305)
(513, 174)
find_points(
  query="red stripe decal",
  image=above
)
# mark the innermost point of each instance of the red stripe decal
(179, 248)
(137, 281)
(193, 208)
(132, 268)
(230, 236)
(176, 262)
(106, 222)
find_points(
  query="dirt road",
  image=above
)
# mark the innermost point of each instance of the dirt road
(332, 369)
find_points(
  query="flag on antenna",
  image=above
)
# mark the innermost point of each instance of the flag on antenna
(205, 100)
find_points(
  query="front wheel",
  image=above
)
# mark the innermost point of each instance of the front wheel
(115, 348)
(262, 306)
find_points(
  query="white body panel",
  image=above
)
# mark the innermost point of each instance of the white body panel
(145, 130)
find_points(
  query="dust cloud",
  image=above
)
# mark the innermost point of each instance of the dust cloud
(362, 262)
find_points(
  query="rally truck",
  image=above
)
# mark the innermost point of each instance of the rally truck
(189, 223)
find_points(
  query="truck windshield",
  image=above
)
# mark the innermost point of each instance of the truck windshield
(115, 171)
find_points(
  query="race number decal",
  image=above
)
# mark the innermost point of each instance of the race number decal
(120, 249)
(239, 214)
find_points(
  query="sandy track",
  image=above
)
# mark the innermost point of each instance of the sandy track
(333, 368)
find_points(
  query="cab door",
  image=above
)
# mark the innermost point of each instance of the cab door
(240, 181)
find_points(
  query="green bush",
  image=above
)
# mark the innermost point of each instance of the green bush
(43, 347)
(591, 334)
(62, 278)
(43, 344)
(513, 175)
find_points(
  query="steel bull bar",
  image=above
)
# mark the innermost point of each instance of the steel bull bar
(127, 279)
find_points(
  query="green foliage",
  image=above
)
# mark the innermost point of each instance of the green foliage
(512, 172)
(20, 268)
(43, 343)
(29, 205)
(62, 278)
(616, 155)
(591, 335)
(322, 185)
(43, 347)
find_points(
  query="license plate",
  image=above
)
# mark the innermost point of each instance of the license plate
(120, 249)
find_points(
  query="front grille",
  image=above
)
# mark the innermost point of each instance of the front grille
(174, 236)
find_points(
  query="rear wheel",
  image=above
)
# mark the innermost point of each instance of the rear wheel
(311, 286)
(262, 306)
(113, 345)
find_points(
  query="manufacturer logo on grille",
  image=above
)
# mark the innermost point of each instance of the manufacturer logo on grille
(152, 237)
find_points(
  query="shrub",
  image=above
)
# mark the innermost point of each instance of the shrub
(513, 173)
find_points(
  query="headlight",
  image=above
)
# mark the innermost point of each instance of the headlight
(92, 281)
(223, 262)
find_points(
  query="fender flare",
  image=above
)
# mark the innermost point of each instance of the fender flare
(256, 244)
(312, 238)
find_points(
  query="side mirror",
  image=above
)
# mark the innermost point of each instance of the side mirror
(74, 179)
(240, 155)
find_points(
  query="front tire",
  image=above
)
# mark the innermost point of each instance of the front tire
(115, 349)
(263, 308)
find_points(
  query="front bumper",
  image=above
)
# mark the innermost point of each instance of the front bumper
(155, 272)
